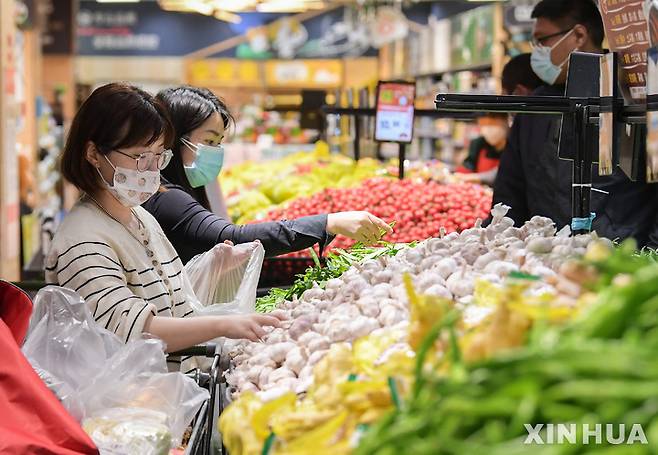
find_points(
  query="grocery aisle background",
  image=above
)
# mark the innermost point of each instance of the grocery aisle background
(271, 66)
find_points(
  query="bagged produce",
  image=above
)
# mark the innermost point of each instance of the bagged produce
(99, 376)
(121, 431)
(224, 280)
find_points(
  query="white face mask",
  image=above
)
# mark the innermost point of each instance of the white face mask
(494, 135)
(131, 187)
(543, 66)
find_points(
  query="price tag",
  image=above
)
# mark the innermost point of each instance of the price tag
(394, 120)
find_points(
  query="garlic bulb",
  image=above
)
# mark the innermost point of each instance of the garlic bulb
(371, 296)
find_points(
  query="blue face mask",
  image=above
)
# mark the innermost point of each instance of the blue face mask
(543, 66)
(207, 163)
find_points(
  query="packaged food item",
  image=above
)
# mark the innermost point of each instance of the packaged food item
(124, 431)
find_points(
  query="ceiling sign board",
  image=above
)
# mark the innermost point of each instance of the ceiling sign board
(224, 73)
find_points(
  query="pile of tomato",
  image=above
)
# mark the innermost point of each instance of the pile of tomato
(419, 208)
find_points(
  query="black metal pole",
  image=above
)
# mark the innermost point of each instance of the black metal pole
(402, 154)
(357, 138)
(586, 179)
(576, 188)
(582, 172)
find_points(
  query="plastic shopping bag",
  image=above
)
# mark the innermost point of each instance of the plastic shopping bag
(225, 279)
(32, 419)
(66, 342)
(100, 377)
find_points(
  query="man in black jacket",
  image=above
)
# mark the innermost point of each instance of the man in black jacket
(531, 178)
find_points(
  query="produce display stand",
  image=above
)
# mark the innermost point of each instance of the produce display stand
(281, 271)
(359, 112)
(576, 110)
(580, 110)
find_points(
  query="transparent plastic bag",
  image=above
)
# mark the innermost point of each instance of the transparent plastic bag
(225, 279)
(66, 342)
(98, 373)
(174, 395)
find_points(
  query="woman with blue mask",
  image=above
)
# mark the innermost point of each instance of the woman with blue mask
(200, 121)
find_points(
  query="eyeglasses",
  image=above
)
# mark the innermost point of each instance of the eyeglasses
(145, 160)
(542, 39)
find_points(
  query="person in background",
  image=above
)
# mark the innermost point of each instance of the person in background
(113, 252)
(200, 122)
(531, 179)
(484, 152)
(481, 163)
(518, 78)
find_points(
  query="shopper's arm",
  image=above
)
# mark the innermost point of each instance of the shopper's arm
(510, 183)
(182, 333)
(194, 230)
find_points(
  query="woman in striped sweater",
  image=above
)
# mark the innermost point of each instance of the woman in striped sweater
(113, 252)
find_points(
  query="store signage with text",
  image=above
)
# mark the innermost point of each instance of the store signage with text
(394, 121)
(627, 32)
(304, 73)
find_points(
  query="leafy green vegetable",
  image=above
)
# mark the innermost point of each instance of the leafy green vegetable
(337, 263)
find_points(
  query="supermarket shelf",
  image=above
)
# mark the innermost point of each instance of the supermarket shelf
(459, 69)
(370, 112)
(421, 134)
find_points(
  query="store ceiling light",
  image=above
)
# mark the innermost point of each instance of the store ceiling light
(118, 1)
(236, 5)
(227, 16)
(289, 6)
(212, 7)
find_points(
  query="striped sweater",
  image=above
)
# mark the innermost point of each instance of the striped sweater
(122, 280)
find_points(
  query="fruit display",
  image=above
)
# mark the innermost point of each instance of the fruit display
(253, 122)
(252, 189)
(419, 208)
(371, 295)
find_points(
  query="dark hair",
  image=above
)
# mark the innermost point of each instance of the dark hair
(114, 116)
(518, 71)
(568, 13)
(189, 107)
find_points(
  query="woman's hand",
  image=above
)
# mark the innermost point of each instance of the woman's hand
(182, 333)
(360, 226)
(232, 257)
(248, 326)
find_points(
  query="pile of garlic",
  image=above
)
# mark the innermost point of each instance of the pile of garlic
(371, 295)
